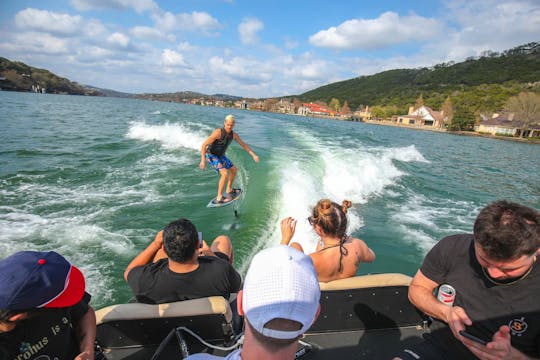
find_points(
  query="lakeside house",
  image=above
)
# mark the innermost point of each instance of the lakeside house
(506, 125)
(362, 115)
(308, 109)
(423, 116)
(283, 106)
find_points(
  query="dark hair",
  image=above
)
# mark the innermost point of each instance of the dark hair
(272, 344)
(332, 219)
(507, 231)
(180, 240)
(5, 314)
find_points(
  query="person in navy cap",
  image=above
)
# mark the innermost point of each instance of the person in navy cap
(44, 311)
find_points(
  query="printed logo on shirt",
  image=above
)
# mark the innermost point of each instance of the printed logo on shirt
(28, 350)
(517, 326)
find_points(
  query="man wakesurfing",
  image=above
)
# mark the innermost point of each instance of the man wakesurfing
(213, 150)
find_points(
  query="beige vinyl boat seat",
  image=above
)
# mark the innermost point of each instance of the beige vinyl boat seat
(135, 330)
(367, 281)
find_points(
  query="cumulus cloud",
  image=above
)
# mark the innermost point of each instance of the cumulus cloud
(59, 24)
(248, 30)
(35, 43)
(138, 5)
(514, 22)
(172, 58)
(150, 33)
(47, 21)
(195, 21)
(368, 34)
(118, 40)
(241, 69)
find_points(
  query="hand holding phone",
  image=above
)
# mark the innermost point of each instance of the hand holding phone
(472, 337)
(200, 239)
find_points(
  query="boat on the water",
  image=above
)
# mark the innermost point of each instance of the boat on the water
(363, 317)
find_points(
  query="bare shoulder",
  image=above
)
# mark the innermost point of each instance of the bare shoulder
(356, 243)
(366, 254)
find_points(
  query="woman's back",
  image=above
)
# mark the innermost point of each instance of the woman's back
(335, 261)
(337, 255)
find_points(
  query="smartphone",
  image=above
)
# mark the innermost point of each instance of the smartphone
(200, 239)
(472, 337)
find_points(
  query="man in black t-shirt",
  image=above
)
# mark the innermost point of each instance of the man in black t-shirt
(178, 266)
(497, 283)
(44, 311)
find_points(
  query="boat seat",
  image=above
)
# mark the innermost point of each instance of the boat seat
(365, 281)
(135, 330)
(366, 302)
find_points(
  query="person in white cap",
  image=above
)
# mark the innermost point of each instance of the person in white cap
(279, 302)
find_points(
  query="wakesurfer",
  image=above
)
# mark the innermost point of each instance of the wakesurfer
(213, 150)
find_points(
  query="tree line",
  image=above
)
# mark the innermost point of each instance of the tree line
(476, 86)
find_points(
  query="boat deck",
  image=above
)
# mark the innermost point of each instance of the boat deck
(365, 317)
(362, 344)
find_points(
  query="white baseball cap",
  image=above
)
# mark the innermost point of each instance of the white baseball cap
(281, 282)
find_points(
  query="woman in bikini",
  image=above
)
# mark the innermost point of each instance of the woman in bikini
(338, 255)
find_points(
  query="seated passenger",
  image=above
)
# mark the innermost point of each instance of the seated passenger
(337, 255)
(279, 302)
(44, 311)
(496, 282)
(177, 266)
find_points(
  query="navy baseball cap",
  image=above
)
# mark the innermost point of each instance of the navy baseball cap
(32, 279)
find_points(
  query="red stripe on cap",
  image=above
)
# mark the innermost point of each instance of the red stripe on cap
(73, 291)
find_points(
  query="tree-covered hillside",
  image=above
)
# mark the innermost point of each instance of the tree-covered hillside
(474, 86)
(18, 76)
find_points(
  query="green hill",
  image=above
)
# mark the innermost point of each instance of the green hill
(474, 86)
(17, 76)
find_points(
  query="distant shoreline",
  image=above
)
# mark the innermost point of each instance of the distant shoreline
(459, 133)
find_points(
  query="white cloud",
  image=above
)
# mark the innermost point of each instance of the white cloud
(47, 21)
(491, 25)
(150, 33)
(196, 21)
(94, 28)
(138, 5)
(35, 43)
(172, 58)
(118, 40)
(90, 54)
(369, 34)
(248, 30)
(241, 69)
(60, 24)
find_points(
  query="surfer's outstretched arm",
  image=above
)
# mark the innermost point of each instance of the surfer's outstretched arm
(246, 147)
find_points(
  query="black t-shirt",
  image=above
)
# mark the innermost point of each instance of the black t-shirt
(47, 334)
(453, 261)
(155, 283)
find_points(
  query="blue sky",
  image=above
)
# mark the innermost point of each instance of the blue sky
(253, 48)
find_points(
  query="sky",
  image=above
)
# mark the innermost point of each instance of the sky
(253, 48)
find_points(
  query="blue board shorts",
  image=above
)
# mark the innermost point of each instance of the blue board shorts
(219, 162)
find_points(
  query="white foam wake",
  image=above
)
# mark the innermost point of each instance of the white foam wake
(170, 136)
(329, 170)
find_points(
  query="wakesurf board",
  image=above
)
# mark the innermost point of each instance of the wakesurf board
(226, 200)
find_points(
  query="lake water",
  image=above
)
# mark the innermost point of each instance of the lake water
(95, 178)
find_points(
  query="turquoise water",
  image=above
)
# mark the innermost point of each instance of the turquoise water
(96, 178)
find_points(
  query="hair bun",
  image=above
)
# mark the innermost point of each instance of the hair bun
(346, 204)
(324, 207)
